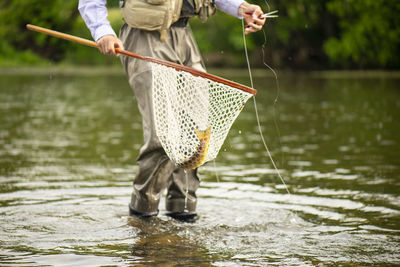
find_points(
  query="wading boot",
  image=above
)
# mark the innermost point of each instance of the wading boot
(142, 215)
(187, 217)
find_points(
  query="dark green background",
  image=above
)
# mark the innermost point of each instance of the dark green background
(309, 34)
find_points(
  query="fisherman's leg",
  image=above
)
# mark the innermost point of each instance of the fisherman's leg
(181, 196)
(150, 182)
(155, 168)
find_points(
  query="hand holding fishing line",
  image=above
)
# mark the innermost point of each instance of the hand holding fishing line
(252, 14)
(255, 20)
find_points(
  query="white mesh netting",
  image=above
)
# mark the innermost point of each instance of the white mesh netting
(185, 104)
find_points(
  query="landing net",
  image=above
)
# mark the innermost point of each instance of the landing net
(193, 110)
(185, 105)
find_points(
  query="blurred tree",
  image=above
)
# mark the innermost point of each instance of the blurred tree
(299, 33)
(369, 33)
(15, 14)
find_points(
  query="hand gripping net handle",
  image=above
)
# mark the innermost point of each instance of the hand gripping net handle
(150, 59)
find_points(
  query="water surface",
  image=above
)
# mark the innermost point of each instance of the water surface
(68, 144)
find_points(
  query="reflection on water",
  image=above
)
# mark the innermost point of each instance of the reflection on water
(68, 145)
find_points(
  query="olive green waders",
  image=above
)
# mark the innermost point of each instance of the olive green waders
(156, 171)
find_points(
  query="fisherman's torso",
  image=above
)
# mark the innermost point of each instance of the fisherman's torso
(159, 15)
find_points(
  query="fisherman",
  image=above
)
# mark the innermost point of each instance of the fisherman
(151, 31)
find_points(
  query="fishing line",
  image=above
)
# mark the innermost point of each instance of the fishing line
(216, 172)
(256, 110)
(268, 7)
(275, 115)
(278, 89)
(187, 191)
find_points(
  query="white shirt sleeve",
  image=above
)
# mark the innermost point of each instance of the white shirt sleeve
(229, 6)
(94, 13)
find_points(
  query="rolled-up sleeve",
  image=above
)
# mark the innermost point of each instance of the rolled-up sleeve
(229, 6)
(94, 13)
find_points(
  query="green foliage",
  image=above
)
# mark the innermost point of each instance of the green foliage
(369, 33)
(15, 14)
(12, 57)
(299, 32)
(338, 33)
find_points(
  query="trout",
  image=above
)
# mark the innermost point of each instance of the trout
(198, 158)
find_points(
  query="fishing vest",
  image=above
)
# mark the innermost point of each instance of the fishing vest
(159, 15)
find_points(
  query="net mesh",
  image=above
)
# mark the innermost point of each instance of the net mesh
(192, 114)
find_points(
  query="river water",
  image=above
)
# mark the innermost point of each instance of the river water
(68, 144)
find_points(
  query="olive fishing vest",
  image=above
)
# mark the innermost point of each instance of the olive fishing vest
(159, 15)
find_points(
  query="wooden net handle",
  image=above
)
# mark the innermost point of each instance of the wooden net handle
(155, 60)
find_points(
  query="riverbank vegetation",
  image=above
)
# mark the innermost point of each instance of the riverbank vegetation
(309, 34)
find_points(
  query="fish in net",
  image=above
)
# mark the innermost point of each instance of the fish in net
(193, 114)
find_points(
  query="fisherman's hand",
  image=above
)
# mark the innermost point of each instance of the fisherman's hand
(108, 43)
(251, 13)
